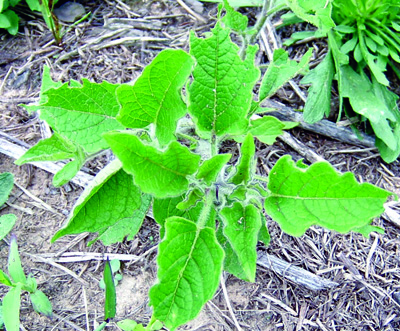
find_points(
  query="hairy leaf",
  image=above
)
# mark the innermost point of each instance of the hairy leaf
(241, 226)
(161, 174)
(319, 94)
(318, 195)
(110, 200)
(221, 92)
(267, 128)
(245, 167)
(280, 71)
(155, 97)
(82, 114)
(210, 169)
(190, 264)
(233, 19)
(51, 149)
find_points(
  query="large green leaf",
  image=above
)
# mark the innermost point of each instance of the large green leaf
(109, 203)
(155, 97)
(365, 102)
(190, 264)
(82, 114)
(241, 227)
(304, 196)
(280, 71)
(245, 167)
(221, 92)
(266, 129)
(6, 185)
(161, 174)
(319, 94)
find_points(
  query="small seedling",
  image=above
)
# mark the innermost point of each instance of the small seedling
(18, 282)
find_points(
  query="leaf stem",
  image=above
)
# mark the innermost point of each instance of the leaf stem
(205, 212)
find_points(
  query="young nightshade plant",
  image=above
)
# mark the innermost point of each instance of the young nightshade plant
(201, 233)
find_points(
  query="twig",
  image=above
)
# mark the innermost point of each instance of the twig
(295, 274)
(299, 147)
(228, 303)
(71, 324)
(323, 127)
(191, 12)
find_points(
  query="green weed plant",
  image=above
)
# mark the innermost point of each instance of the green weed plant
(167, 131)
(363, 43)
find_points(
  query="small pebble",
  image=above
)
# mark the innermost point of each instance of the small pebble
(69, 12)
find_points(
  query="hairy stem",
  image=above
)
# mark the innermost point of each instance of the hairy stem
(205, 212)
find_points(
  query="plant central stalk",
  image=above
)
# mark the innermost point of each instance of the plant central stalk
(205, 212)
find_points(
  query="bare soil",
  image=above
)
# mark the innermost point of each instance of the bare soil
(102, 48)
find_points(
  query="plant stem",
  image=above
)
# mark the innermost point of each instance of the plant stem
(214, 145)
(262, 18)
(205, 212)
(101, 326)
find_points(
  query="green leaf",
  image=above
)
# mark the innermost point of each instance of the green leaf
(51, 149)
(280, 71)
(264, 235)
(363, 100)
(192, 198)
(110, 303)
(233, 19)
(190, 264)
(70, 170)
(245, 167)
(297, 36)
(349, 45)
(319, 195)
(130, 325)
(41, 304)
(161, 174)
(82, 114)
(110, 200)
(210, 169)
(266, 129)
(126, 227)
(221, 91)
(9, 20)
(155, 97)
(11, 304)
(47, 83)
(6, 185)
(14, 263)
(34, 5)
(319, 94)
(31, 284)
(316, 12)
(242, 224)
(240, 3)
(4, 279)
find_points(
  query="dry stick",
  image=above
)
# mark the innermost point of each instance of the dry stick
(191, 12)
(323, 127)
(228, 302)
(71, 324)
(295, 274)
(302, 149)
